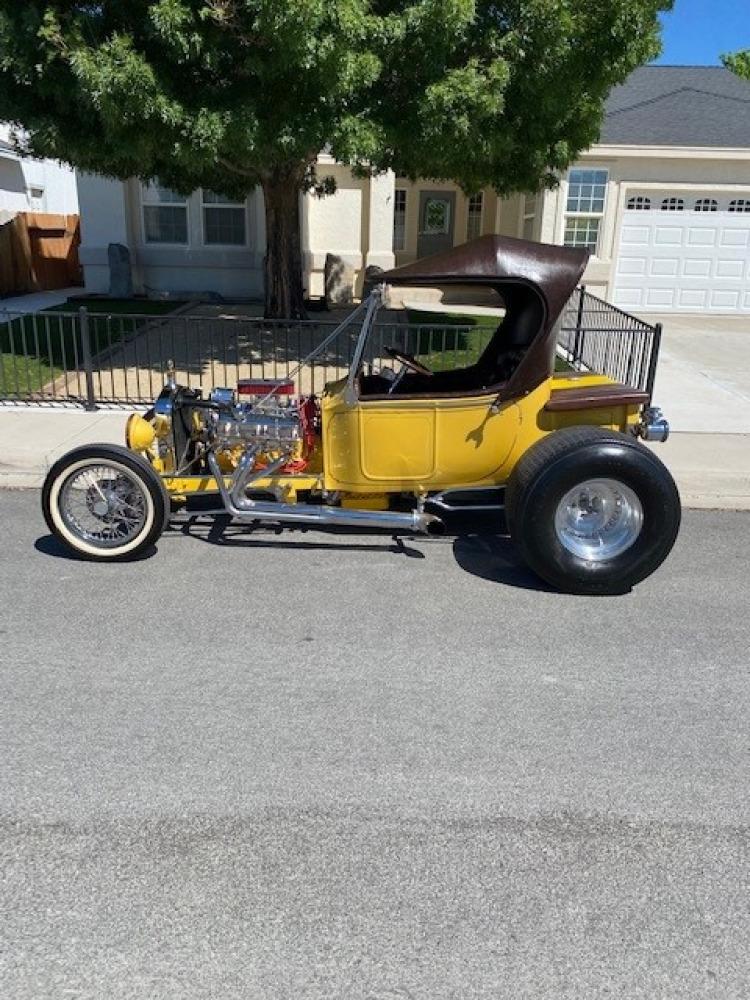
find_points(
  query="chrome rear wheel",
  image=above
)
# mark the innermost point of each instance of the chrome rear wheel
(592, 510)
(599, 519)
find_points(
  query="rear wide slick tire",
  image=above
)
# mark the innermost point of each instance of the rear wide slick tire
(570, 458)
(156, 505)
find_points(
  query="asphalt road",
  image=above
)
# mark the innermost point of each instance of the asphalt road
(302, 766)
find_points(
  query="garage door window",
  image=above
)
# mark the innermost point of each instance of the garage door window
(673, 205)
(740, 205)
(639, 204)
(706, 205)
(587, 194)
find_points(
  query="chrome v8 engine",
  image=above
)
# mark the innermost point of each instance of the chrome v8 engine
(267, 424)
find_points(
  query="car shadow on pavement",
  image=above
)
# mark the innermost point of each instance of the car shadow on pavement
(48, 545)
(496, 558)
(221, 530)
(487, 556)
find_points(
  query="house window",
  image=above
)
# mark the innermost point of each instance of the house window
(673, 205)
(740, 205)
(529, 216)
(474, 216)
(223, 221)
(587, 190)
(582, 233)
(164, 215)
(706, 205)
(37, 201)
(639, 204)
(587, 194)
(399, 219)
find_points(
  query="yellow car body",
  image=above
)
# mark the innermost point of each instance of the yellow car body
(555, 454)
(425, 445)
(416, 446)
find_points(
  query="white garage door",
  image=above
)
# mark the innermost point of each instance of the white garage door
(685, 255)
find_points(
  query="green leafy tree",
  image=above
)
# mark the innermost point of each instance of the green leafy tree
(230, 94)
(738, 62)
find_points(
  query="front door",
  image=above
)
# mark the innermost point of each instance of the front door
(437, 212)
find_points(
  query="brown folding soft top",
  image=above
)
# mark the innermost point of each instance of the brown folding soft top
(535, 281)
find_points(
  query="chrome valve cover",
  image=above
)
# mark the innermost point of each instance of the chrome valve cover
(267, 427)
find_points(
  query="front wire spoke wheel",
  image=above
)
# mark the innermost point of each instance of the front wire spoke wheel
(93, 502)
(105, 502)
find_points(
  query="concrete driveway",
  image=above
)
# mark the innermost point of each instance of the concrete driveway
(703, 382)
(333, 767)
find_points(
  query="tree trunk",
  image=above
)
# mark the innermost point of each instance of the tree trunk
(283, 264)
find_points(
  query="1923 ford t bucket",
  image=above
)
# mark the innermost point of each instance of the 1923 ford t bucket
(591, 509)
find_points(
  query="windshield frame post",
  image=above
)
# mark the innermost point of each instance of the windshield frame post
(374, 301)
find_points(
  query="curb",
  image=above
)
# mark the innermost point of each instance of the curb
(737, 503)
(21, 481)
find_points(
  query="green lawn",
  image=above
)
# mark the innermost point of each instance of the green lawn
(450, 340)
(118, 307)
(46, 343)
(17, 379)
(464, 346)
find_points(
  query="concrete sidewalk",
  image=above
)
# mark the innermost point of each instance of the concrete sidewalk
(712, 470)
(703, 378)
(36, 301)
(33, 438)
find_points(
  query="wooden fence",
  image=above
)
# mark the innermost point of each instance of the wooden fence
(39, 251)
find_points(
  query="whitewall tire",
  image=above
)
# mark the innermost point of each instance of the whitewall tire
(105, 503)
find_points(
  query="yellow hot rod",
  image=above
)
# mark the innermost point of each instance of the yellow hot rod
(399, 446)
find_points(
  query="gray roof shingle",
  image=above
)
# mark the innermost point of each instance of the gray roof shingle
(679, 106)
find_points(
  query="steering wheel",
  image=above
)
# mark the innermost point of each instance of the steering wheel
(408, 360)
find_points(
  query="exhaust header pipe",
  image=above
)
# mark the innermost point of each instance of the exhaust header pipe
(243, 508)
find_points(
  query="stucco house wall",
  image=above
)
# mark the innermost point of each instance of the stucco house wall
(355, 223)
(28, 185)
(660, 171)
(112, 212)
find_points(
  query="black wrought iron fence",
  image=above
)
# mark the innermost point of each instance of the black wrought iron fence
(90, 358)
(596, 336)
